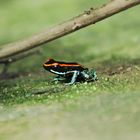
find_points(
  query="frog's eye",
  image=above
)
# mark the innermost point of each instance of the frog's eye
(49, 61)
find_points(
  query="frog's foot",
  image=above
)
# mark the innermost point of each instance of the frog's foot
(95, 78)
(90, 75)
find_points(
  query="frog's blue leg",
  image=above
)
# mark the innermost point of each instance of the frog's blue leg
(95, 76)
(58, 78)
(85, 74)
(89, 75)
(74, 77)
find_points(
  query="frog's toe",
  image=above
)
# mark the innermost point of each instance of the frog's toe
(58, 79)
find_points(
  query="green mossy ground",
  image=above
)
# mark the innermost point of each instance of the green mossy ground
(32, 107)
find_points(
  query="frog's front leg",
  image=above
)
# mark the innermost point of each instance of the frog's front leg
(58, 78)
(74, 77)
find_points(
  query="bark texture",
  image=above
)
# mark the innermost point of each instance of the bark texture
(87, 18)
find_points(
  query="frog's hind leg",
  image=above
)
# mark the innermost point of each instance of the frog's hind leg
(74, 77)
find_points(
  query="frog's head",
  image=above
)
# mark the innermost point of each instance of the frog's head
(90, 75)
(49, 64)
(50, 61)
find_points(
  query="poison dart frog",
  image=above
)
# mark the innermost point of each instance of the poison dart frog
(69, 72)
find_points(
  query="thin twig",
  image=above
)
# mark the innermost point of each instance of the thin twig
(19, 56)
(7, 61)
(87, 18)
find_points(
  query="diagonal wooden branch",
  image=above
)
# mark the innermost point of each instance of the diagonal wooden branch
(87, 18)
